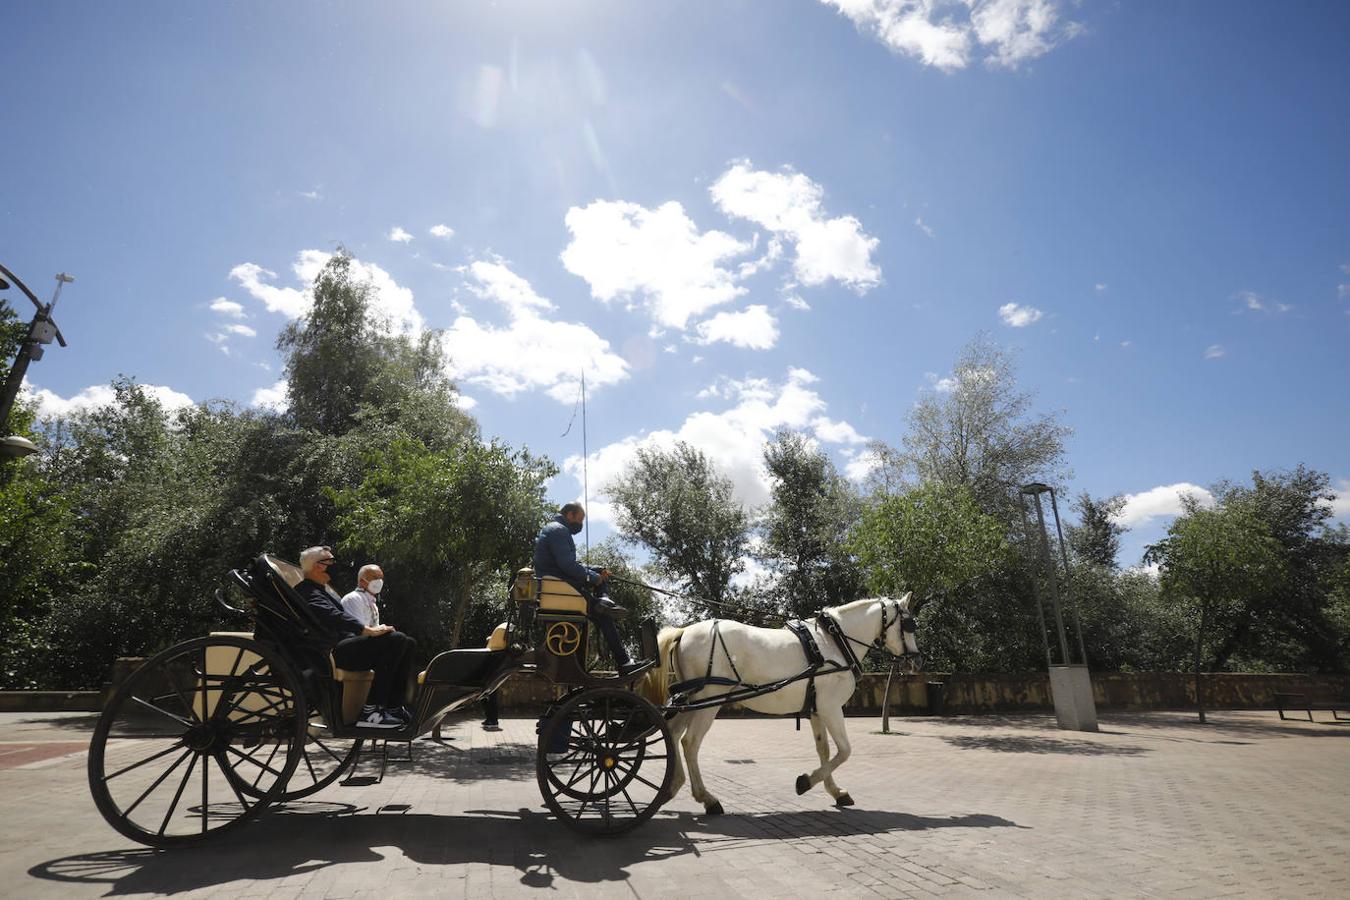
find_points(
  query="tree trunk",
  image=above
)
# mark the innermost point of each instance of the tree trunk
(1199, 657)
(462, 585)
(886, 703)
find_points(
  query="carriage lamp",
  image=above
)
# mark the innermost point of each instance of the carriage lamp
(41, 331)
(1070, 680)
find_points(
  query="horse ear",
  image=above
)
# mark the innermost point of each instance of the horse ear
(906, 601)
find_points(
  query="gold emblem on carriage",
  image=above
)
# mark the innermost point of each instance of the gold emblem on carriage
(562, 638)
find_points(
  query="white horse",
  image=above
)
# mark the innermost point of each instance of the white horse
(764, 656)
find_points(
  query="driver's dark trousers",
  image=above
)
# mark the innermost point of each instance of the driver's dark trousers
(390, 655)
(605, 624)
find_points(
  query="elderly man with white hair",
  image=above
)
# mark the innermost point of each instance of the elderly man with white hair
(358, 646)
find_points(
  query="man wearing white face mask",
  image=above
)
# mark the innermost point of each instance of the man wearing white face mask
(361, 604)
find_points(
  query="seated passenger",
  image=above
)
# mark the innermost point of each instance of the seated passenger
(361, 603)
(359, 647)
(555, 555)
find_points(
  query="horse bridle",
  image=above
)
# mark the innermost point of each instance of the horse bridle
(908, 624)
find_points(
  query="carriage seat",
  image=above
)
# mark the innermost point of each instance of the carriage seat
(552, 594)
(468, 667)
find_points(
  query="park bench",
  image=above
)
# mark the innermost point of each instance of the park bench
(1299, 702)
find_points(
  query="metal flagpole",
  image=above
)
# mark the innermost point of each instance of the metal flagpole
(585, 473)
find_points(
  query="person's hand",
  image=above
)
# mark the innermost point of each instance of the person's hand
(376, 630)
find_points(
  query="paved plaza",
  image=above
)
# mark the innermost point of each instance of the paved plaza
(1153, 805)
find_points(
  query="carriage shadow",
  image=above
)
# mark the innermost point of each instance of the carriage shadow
(304, 838)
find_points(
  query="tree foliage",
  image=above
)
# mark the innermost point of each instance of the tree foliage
(977, 430)
(677, 505)
(1096, 538)
(805, 528)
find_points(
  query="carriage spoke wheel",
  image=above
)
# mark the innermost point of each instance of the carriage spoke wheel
(605, 760)
(182, 737)
(323, 760)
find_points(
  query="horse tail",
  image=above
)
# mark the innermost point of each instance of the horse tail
(655, 684)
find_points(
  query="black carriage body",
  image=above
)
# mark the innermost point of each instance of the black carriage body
(246, 711)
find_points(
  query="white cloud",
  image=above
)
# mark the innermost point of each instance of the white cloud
(390, 302)
(312, 196)
(227, 308)
(399, 236)
(1253, 302)
(52, 405)
(946, 33)
(626, 251)
(272, 398)
(464, 401)
(860, 464)
(1340, 507)
(943, 385)
(919, 223)
(755, 328)
(1099, 287)
(444, 232)
(788, 204)
(832, 432)
(531, 352)
(241, 330)
(1162, 501)
(796, 302)
(733, 438)
(1215, 351)
(1015, 316)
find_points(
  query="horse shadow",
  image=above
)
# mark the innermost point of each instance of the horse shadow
(305, 837)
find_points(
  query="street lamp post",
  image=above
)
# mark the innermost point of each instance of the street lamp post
(41, 331)
(1070, 682)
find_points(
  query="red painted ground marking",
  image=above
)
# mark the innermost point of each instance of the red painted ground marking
(14, 755)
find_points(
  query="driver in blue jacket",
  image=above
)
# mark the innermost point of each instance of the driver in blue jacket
(555, 555)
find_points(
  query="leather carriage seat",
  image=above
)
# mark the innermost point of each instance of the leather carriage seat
(552, 594)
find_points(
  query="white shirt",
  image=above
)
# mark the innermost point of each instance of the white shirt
(360, 605)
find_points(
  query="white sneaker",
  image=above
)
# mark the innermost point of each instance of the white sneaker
(379, 718)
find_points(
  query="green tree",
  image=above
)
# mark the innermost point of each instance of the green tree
(677, 505)
(344, 363)
(805, 528)
(1096, 537)
(978, 431)
(464, 514)
(1216, 563)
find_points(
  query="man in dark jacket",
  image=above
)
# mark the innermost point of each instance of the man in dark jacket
(555, 555)
(359, 647)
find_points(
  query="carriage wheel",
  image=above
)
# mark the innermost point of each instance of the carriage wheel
(323, 760)
(604, 760)
(183, 734)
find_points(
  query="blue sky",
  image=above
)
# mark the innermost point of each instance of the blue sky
(735, 216)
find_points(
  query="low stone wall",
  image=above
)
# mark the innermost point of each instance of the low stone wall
(963, 693)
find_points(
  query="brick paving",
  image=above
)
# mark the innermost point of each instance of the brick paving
(1154, 805)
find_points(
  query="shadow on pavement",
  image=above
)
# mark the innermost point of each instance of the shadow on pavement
(1035, 744)
(308, 837)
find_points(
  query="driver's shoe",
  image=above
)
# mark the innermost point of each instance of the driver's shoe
(607, 607)
(632, 666)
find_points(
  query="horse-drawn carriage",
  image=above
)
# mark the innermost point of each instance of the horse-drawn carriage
(207, 734)
(210, 732)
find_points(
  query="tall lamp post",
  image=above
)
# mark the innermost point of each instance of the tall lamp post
(41, 331)
(1070, 681)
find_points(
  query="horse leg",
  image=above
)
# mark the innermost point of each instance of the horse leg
(700, 722)
(833, 720)
(677, 728)
(823, 751)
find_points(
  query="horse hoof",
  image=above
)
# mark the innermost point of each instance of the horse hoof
(803, 784)
(714, 809)
(843, 800)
